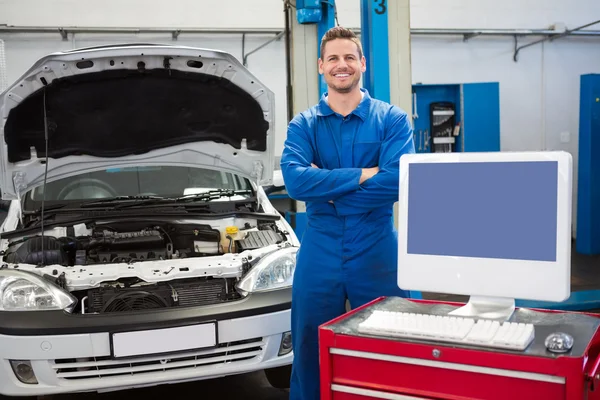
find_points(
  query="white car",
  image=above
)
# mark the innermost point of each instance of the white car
(140, 247)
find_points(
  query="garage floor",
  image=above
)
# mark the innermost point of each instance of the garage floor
(585, 272)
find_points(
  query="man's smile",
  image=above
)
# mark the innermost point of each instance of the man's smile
(342, 75)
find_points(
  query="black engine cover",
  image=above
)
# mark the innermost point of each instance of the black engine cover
(127, 240)
(36, 250)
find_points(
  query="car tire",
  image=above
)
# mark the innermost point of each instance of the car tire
(279, 377)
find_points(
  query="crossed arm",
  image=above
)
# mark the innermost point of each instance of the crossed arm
(381, 189)
(352, 190)
(304, 182)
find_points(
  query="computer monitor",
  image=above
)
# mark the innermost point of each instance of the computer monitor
(493, 226)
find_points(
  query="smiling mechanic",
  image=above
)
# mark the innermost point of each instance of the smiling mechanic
(341, 157)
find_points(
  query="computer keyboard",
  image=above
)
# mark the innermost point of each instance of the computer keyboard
(447, 328)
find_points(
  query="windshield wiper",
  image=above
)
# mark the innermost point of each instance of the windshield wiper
(200, 197)
(120, 199)
(212, 194)
(121, 202)
(91, 203)
(46, 209)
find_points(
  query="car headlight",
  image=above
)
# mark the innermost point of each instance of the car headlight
(24, 291)
(275, 271)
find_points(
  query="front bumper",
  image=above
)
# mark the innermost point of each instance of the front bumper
(249, 339)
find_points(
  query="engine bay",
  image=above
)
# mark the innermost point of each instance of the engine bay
(125, 266)
(129, 242)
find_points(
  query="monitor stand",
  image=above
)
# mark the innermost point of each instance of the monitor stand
(495, 308)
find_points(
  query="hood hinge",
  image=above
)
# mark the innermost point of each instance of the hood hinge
(19, 183)
(257, 171)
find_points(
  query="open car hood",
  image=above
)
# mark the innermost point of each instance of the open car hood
(134, 105)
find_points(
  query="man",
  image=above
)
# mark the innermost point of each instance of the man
(341, 157)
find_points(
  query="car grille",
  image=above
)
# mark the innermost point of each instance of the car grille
(101, 367)
(184, 293)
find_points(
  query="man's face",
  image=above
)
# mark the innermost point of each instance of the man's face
(341, 66)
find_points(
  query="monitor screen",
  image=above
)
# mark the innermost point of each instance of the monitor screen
(486, 224)
(503, 210)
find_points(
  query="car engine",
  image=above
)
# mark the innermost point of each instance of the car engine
(138, 242)
(84, 249)
(108, 246)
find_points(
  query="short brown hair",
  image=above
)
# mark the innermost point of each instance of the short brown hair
(338, 32)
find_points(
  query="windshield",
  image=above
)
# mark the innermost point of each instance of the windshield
(163, 181)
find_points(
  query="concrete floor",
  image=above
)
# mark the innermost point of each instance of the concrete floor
(252, 386)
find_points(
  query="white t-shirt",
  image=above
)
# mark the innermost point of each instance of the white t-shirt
(362, 96)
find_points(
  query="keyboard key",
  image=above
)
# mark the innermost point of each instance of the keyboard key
(445, 328)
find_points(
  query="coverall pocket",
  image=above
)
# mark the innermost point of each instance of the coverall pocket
(366, 154)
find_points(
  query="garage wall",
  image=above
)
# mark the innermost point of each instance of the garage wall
(147, 13)
(267, 13)
(539, 93)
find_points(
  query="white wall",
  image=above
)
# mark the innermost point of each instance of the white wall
(539, 93)
(491, 14)
(144, 13)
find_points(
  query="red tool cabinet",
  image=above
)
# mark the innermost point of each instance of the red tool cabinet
(354, 366)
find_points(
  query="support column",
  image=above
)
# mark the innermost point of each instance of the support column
(327, 22)
(305, 72)
(400, 71)
(374, 15)
(400, 55)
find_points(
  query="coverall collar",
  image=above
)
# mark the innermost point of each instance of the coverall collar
(362, 110)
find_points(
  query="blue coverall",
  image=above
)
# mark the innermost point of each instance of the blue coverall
(349, 249)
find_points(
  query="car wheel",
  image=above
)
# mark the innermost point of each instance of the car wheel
(279, 377)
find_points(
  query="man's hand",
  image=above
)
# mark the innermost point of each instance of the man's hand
(368, 173)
